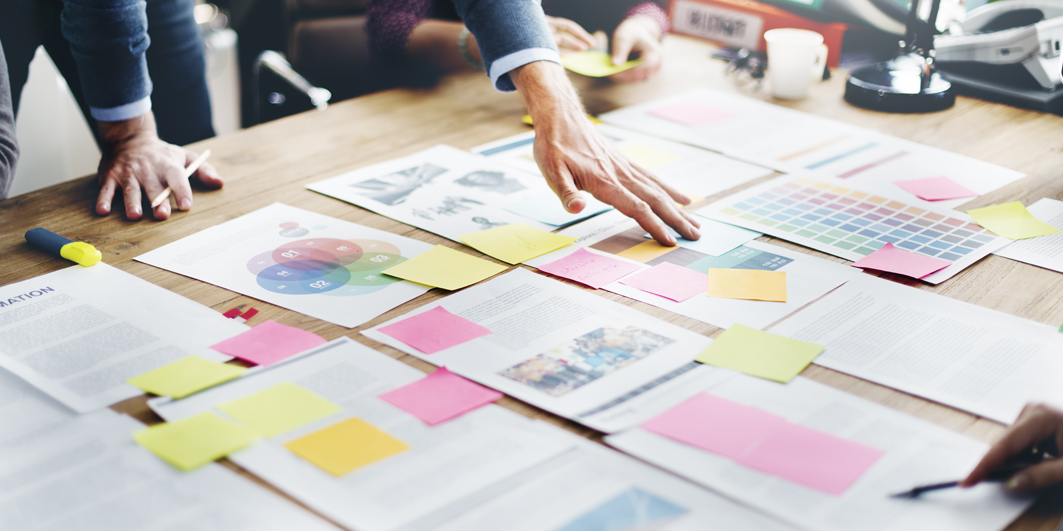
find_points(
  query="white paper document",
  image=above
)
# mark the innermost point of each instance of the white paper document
(1043, 251)
(964, 356)
(444, 463)
(570, 352)
(807, 277)
(851, 223)
(692, 170)
(79, 333)
(916, 453)
(317, 265)
(452, 192)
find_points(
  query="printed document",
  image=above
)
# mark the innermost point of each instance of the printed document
(1044, 251)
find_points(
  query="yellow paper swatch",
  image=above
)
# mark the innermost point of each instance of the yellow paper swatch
(528, 120)
(185, 376)
(279, 409)
(346, 446)
(595, 63)
(443, 267)
(748, 284)
(645, 251)
(759, 353)
(1011, 220)
(195, 441)
(515, 243)
(648, 157)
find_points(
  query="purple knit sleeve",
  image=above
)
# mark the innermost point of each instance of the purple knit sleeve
(389, 25)
(654, 11)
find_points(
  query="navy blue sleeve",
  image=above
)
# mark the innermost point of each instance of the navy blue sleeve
(8, 146)
(510, 34)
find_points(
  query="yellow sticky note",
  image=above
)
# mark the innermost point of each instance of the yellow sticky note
(759, 353)
(648, 157)
(595, 63)
(279, 409)
(515, 243)
(346, 446)
(185, 376)
(528, 120)
(748, 284)
(443, 267)
(195, 441)
(1012, 221)
(646, 251)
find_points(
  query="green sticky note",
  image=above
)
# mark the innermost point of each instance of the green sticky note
(515, 243)
(195, 441)
(759, 353)
(443, 267)
(1011, 220)
(185, 376)
(279, 409)
(595, 63)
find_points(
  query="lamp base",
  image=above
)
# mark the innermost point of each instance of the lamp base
(897, 85)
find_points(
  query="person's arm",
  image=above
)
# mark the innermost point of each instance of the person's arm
(1036, 423)
(8, 144)
(108, 39)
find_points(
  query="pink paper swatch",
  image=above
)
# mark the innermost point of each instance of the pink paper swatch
(811, 458)
(434, 330)
(591, 269)
(936, 189)
(440, 396)
(669, 281)
(893, 260)
(690, 114)
(269, 343)
(715, 425)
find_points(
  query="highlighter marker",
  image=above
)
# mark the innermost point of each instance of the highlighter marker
(79, 252)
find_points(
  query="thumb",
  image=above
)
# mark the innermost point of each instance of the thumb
(571, 198)
(1037, 477)
(622, 45)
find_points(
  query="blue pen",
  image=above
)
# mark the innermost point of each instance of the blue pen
(79, 252)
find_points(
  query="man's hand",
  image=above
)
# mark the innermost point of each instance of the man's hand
(136, 162)
(569, 36)
(1036, 423)
(640, 35)
(574, 156)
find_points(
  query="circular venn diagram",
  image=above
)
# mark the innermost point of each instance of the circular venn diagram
(326, 266)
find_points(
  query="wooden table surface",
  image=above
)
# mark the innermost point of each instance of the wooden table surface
(273, 163)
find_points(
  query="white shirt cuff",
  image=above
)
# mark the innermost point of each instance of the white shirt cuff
(122, 112)
(501, 67)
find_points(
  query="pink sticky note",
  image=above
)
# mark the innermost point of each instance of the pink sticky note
(893, 260)
(690, 114)
(937, 189)
(669, 281)
(811, 458)
(440, 396)
(588, 268)
(269, 343)
(434, 330)
(715, 425)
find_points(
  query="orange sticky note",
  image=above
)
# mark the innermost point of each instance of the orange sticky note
(346, 446)
(748, 284)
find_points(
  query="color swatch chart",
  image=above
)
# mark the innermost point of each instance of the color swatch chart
(633, 245)
(852, 224)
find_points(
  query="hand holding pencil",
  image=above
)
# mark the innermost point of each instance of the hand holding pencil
(189, 170)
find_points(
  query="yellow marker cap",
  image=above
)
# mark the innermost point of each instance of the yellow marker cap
(82, 253)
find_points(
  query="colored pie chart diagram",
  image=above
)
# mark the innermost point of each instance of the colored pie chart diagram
(326, 266)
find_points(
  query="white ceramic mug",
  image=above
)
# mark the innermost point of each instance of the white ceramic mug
(796, 58)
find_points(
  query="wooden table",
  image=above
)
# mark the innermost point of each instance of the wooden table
(273, 163)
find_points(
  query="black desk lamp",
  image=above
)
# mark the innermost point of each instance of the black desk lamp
(908, 82)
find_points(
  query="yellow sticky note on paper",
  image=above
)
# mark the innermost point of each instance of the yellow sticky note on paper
(195, 441)
(648, 157)
(279, 409)
(748, 284)
(527, 119)
(515, 243)
(1011, 220)
(646, 251)
(759, 353)
(595, 63)
(346, 446)
(443, 267)
(186, 376)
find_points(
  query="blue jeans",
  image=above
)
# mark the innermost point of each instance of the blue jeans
(175, 60)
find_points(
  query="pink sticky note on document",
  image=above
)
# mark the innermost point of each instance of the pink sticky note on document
(434, 330)
(591, 269)
(893, 260)
(811, 458)
(690, 114)
(936, 189)
(715, 425)
(269, 343)
(440, 396)
(669, 281)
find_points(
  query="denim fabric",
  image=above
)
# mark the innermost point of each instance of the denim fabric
(8, 146)
(506, 27)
